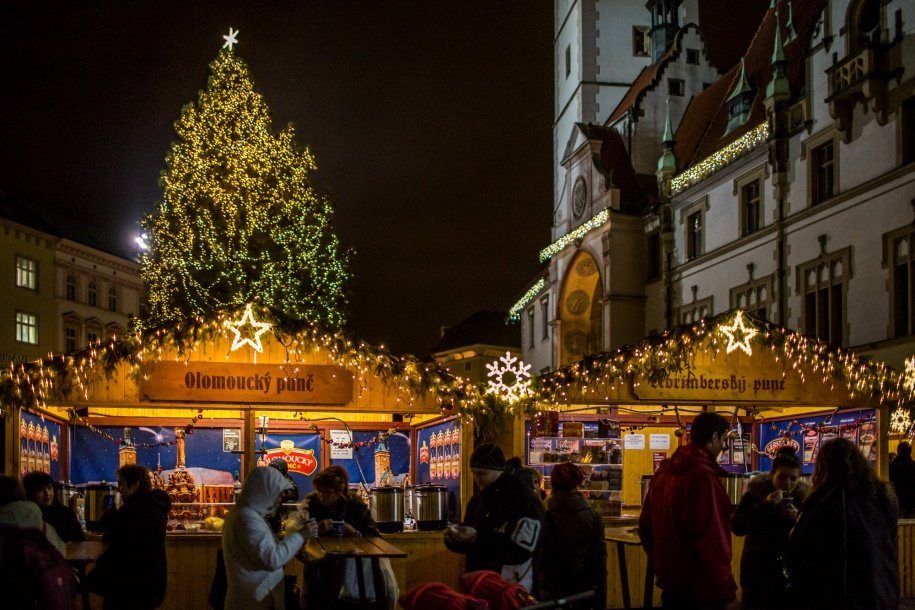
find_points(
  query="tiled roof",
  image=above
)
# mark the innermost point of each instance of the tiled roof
(15, 210)
(616, 164)
(726, 33)
(701, 131)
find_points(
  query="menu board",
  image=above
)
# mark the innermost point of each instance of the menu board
(39, 445)
(438, 460)
(807, 434)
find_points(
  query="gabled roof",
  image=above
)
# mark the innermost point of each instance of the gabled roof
(615, 164)
(726, 33)
(702, 130)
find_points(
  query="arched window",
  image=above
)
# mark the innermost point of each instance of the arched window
(71, 288)
(93, 294)
(112, 299)
(863, 23)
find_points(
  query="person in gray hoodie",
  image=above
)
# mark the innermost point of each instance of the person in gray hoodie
(254, 557)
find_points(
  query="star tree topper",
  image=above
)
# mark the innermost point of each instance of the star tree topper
(503, 370)
(739, 335)
(249, 324)
(231, 39)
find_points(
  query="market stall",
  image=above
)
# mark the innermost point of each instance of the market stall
(202, 406)
(777, 387)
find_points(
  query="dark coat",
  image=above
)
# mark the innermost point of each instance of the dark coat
(132, 571)
(573, 555)
(685, 527)
(508, 518)
(64, 521)
(842, 552)
(902, 475)
(766, 527)
(349, 508)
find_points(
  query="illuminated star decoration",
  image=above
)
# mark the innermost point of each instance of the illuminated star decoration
(231, 39)
(519, 376)
(908, 379)
(739, 335)
(248, 322)
(900, 421)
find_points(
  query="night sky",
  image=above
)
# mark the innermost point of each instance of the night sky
(430, 122)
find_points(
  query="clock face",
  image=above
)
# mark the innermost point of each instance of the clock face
(579, 197)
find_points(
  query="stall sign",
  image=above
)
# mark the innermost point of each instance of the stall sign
(341, 447)
(231, 439)
(659, 441)
(634, 441)
(302, 461)
(253, 383)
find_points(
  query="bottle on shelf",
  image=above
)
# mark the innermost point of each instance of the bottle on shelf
(236, 487)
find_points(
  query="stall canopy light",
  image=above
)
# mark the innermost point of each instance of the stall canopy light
(243, 331)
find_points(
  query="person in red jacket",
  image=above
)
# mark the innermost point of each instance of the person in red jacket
(685, 525)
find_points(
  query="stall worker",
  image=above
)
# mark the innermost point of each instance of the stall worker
(685, 525)
(132, 572)
(254, 557)
(902, 476)
(504, 518)
(39, 488)
(338, 513)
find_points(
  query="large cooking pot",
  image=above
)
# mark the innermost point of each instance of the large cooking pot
(430, 507)
(64, 492)
(387, 508)
(733, 485)
(99, 498)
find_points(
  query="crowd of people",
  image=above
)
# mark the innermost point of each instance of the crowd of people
(828, 544)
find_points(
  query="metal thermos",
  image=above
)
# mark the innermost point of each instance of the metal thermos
(100, 498)
(387, 508)
(431, 507)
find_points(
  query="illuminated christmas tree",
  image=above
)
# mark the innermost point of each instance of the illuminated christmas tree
(239, 220)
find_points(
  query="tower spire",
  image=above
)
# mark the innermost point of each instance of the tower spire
(667, 163)
(778, 85)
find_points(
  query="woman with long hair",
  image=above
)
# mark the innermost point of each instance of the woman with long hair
(765, 515)
(842, 552)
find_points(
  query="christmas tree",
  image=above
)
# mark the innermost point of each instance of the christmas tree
(239, 220)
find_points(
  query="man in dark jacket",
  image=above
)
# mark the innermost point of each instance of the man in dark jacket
(902, 476)
(503, 520)
(685, 523)
(132, 572)
(39, 488)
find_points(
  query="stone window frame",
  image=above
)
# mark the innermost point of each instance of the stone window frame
(676, 87)
(26, 272)
(700, 206)
(693, 312)
(843, 256)
(811, 144)
(71, 287)
(113, 298)
(692, 54)
(905, 124)
(759, 174)
(545, 322)
(889, 262)
(752, 287)
(530, 327)
(26, 327)
(92, 293)
(640, 34)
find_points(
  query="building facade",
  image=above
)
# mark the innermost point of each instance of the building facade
(62, 295)
(783, 184)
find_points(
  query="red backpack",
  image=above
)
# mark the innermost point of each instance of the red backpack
(33, 573)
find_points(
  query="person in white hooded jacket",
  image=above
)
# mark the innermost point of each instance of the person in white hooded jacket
(254, 557)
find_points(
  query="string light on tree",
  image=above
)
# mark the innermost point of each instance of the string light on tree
(739, 335)
(908, 378)
(246, 328)
(510, 381)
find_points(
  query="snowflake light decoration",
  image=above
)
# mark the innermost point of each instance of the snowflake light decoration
(508, 380)
(739, 335)
(900, 421)
(908, 378)
(252, 328)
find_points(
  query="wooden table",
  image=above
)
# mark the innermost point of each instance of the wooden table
(79, 554)
(371, 548)
(623, 536)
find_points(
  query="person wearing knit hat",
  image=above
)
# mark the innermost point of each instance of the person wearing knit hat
(501, 528)
(573, 558)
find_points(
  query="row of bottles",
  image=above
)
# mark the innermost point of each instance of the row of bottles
(444, 454)
(37, 448)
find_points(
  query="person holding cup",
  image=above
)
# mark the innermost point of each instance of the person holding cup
(339, 513)
(765, 515)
